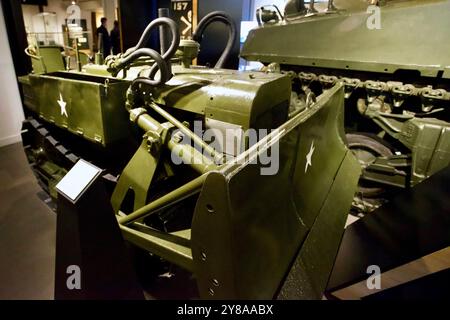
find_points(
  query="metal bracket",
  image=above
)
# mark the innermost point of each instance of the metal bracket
(137, 176)
(393, 171)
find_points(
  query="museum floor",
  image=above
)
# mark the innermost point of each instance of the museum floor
(27, 231)
(28, 234)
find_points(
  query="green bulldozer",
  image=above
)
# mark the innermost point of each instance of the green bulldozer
(244, 179)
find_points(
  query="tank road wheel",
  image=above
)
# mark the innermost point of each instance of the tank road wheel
(367, 148)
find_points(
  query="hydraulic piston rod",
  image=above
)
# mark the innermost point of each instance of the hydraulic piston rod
(187, 153)
(208, 150)
(176, 195)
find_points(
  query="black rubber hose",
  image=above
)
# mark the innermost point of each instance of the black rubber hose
(164, 38)
(218, 16)
(170, 51)
(147, 32)
(160, 64)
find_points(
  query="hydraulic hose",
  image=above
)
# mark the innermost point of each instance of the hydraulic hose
(161, 61)
(147, 32)
(160, 64)
(218, 16)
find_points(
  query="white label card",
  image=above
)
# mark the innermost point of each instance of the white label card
(78, 179)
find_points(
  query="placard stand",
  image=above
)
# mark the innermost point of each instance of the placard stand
(92, 261)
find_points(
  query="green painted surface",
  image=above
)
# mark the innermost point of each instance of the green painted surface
(226, 95)
(88, 106)
(248, 228)
(413, 35)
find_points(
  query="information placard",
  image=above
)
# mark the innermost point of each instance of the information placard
(78, 179)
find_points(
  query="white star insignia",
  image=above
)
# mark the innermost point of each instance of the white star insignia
(167, 275)
(62, 105)
(309, 157)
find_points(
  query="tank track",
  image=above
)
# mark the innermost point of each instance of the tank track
(49, 159)
(398, 90)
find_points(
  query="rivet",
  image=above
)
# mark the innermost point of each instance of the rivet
(210, 208)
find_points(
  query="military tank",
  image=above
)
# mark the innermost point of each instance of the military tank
(391, 57)
(206, 168)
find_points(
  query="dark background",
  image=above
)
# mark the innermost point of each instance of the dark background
(215, 37)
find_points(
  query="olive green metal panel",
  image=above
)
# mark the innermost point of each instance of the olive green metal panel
(96, 70)
(115, 117)
(29, 98)
(323, 136)
(50, 60)
(315, 260)
(230, 96)
(240, 100)
(136, 178)
(441, 154)
(248, 228)
(211, 241)
(429, 141)
(413, 35)
(91, 107)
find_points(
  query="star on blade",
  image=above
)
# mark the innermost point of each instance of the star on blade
(62, 105)
(309, 157)
(167, 275)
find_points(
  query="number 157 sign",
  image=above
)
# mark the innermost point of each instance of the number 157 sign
(181, 5)
(182, 11)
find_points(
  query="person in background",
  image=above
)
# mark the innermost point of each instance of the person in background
(104, 39)
(115, 38)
